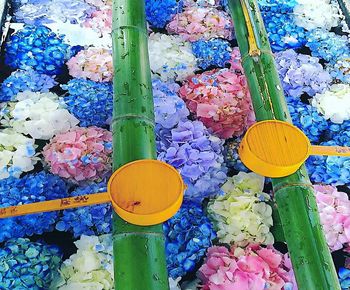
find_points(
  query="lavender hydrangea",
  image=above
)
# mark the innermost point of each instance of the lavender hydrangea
(25, 80)
(231, 155)
(198, 156)
(213, 52)
(37, 47)
(158, 13)
(188, 235)
(28, 189)
(301, 73)
(28, 265)
(169, 108)
(88, 220)
(89, 101)
(328, 45)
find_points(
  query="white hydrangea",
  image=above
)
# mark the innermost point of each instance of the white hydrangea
(242, 215)
(334, 104)
(171, 58)
(17, 153)
(317, 14)
(40, 115)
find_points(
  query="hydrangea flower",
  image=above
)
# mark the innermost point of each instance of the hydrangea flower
(253, 268)
(159, 13)
(242, 216)
(202, 3)
(90, 268)
(334, 209)
(221, 100)
(48, 11)
(321, 14)
(169, 108)
(95, 64)
(37, 47)
(197, 154)
(196, 23)
(28, 265)
(236, 61)
(301, 73)
(344, 278)
(213, 52)
(306, 118)
(232, 159)
(328, 45)
(100, 20)
(171, 58)
(25, 80)
(101, 4)
(29, 189)
(188, 234)
(17, 153)
(88, 220)
(40, 115)
(90, 102)
(334, 104)
(80, 154)
(340, 69)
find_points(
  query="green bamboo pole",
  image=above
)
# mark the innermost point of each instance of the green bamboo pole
(312, 261)
(345, 7)
(139, 252)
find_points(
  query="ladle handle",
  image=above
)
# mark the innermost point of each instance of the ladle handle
(56, 204)
(330, 150)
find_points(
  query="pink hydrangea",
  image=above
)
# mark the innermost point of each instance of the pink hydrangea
(252, 268)
(221, 100)
(196, 23)
(334, 209)
(100, 21)
(236, 61)
(80, 154)
(95, 64)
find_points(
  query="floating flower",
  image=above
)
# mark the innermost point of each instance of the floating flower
(25, 80)
(17, 153)
(91, 268)
(188, 234)
(232, 159)
(48, 11)
(159, 13)
(301, 73)
(242, 216)
(28, 265)
(37, 47)
(340, 70)
(334, 104)
(100, 20)
(196, 23)
(169, 108)
(90, 102)
(29, 189)
(344, 278)
(80, 154)
(328, 45)
(95, 64)
(334, 209)
(236, 61)
(171, 58)
(221, 100)
(321, 14)
(88, 220)
(197, 154)
(213, 52)
(40, 115)
(101, 4)
(253, 268)
(306, 118)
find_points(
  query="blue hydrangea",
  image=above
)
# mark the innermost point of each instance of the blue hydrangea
(307, 119)
(37, 47)
(339, 133)
(160, 12)
(198, 156)
(213, 52)
(344, 278)
(28, 189)
(231, 155)
(25, 80)
(340, 69)
(188, 235)
(28, 265)
(169, 108)
(328, 45)
(89, 101)
(88, 220)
